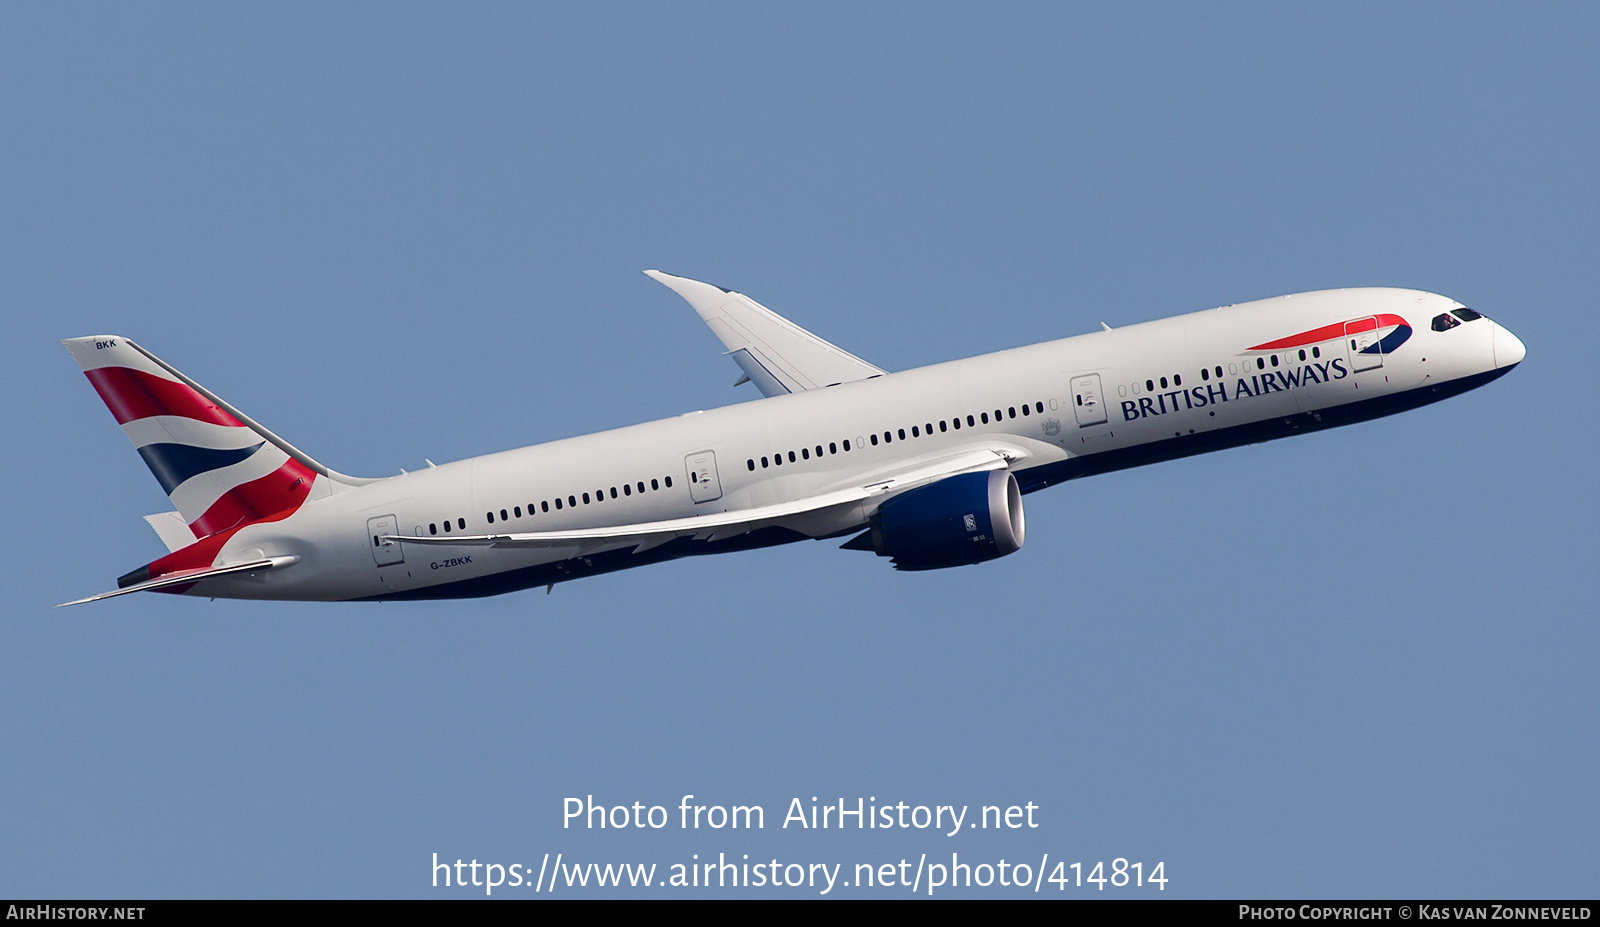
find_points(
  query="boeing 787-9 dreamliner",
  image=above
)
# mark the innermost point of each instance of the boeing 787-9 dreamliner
(927, 467)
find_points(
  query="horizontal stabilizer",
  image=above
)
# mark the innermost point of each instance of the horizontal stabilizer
(189, 577)
(775, 354)
(739, 521)
(172, 529)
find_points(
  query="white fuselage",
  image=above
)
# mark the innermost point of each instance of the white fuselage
(1035, 391)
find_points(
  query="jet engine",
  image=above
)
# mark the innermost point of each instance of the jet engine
(959, 520)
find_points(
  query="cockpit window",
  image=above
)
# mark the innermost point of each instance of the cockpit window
(1443, 322)
(1465, 314)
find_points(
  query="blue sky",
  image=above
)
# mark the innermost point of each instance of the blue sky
(1353, 663)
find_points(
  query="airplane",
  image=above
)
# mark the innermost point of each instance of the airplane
(926, 467)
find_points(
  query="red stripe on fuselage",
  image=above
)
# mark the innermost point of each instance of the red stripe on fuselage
(280, 491)
(203, 553)
(133, 394)
(1330, 332)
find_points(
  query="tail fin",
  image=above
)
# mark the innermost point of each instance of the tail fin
(219, 467)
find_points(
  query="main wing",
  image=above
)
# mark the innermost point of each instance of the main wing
(775, 354)
(645, 535)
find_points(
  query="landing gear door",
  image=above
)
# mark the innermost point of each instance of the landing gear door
(1087, 403)
(704, 486)
(384, 551)
(1361, 344)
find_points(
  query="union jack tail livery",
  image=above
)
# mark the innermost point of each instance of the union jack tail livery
(219, 468)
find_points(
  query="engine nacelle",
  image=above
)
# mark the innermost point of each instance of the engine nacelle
(959, 520)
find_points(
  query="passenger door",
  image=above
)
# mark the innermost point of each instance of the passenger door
(704, 486)
(1087, 402)
(384, 552)
(1359, 336)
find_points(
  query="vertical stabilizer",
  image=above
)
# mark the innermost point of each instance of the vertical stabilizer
(219, 468)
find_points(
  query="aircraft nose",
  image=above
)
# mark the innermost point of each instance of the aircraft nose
(1508, 348)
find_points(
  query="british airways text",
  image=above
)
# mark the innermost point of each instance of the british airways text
(1199, 397)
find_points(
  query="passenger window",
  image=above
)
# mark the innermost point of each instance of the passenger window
(874, 439)
(763, 466)
(558, 503)
(1302, 353)
(447, 527)
(805, 453)
(777, 459)
(1177, 379)
(545, 506)
(572, 501)
(654, 485)
(503, 515)
(585, 498)
(1163, 382)
(433, 529)
(1039, 407)
(627, 489)
(518, 510)
(902, 433)
(751, 463)
(985, 418)
(1205, 374)
(833, 448)
(1013, 411)
(1150, 386)
(956, 424)
(641, 487)
(1025, 408)
(1274, 360)
(669, 481)
(1444, 321)
(846, 443)
(943, 426)
(791, 456)
(461, 523)
(1261, 363)
(613, 492)
(1219, 371)
(489, 517)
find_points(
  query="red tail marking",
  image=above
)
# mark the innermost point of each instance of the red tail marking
(133, 394)
(282, 490)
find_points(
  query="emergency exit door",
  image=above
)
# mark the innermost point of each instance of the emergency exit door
(704, 486)
(384, 551)
(1361, 343)
(1087, 402)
